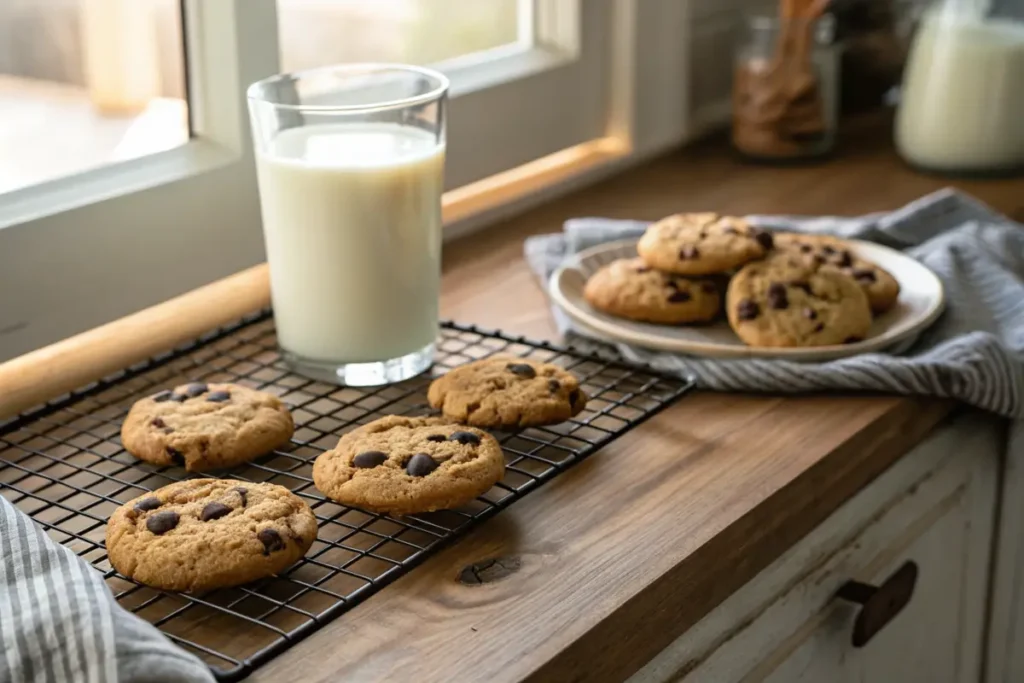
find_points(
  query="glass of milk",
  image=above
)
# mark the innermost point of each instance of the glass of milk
(350, 162)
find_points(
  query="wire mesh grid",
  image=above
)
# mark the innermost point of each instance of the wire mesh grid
(64, 465)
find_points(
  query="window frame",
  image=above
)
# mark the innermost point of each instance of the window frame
(198, 203)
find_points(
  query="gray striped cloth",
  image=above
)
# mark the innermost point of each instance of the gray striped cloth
(974, 353)
(59, 622)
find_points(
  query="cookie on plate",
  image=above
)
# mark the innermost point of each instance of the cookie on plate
(702, 244)
(629, 288)
(200, 534)
(504, 392)
(206, 426)
(829, 252)
(782, 302)
(405, 465)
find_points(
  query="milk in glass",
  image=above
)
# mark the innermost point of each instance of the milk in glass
(352, 224)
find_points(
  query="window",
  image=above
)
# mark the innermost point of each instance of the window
(88, 83)
(542, 91)
(320, 32)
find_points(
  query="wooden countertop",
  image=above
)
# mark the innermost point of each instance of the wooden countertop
(624, 552)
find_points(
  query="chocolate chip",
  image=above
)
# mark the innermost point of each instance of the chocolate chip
(195, 389)
(819, 327)
(158, 422)
(465, 438)
(554, 385)
(689, 252)
(151, 503)
(271, 540)
(177, 457)
(420, 465)
(218, 396)
(642, 269)
(747, 310)
(244, 493)
(806, 248)
(162, 522)
(437, 437)
(679, 297)
(810, 314)
(818, 260)
(845, 260)
(672, 283)
(709, 288)
(574, 396)
(521, 369)
(853, 339)
(828, 249)
(213, 511)
(865, 274)
(802, 284)
(765, 239)
(777, 297)
(179, 398)
(162, 396)
(369, 459)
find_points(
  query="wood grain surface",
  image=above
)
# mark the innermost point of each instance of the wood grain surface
(608, 563)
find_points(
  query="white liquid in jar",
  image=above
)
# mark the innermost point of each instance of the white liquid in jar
(962, 105)
(352, 222)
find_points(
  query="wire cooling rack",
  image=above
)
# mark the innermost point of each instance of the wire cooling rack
(64, 465)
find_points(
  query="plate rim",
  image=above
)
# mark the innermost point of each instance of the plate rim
(738, 351)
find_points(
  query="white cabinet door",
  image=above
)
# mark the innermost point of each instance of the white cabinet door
(923, 641)
(934, 508)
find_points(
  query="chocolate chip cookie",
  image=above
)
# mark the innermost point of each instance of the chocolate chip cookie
(783, 301)
(404, 465)
(203, 427)
(829, 252)
(702, 244)
(503, 392)
(629, 288)
(201, 534)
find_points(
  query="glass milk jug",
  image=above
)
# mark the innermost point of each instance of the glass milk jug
(962, 104)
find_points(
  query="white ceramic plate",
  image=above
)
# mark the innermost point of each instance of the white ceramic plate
(921, 302)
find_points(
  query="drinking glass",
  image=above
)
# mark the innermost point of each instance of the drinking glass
(350, 163)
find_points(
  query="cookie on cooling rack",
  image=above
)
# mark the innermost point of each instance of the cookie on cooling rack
(405, 465)
(204, 427)
(504, 392)
(200, 534)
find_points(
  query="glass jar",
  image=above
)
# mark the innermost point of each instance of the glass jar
(961, 107)
(785, 89)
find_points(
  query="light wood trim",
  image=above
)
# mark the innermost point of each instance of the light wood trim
(514, 184)
(35, 377)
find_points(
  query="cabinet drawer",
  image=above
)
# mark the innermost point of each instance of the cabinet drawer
(935, 509)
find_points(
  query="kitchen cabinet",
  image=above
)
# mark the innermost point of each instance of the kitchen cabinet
(931, 514)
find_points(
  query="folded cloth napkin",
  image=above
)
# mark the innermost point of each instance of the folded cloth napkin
(974, 352)
(59, 622)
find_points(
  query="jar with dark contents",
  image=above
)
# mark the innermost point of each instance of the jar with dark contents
(785, 89)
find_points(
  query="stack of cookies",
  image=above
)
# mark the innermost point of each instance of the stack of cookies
(201, 534)
(780, 289)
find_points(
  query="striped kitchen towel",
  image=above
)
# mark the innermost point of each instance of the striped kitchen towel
(59, 622)
(974, 353)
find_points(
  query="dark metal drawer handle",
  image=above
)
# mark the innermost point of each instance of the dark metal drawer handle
(879, 604)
